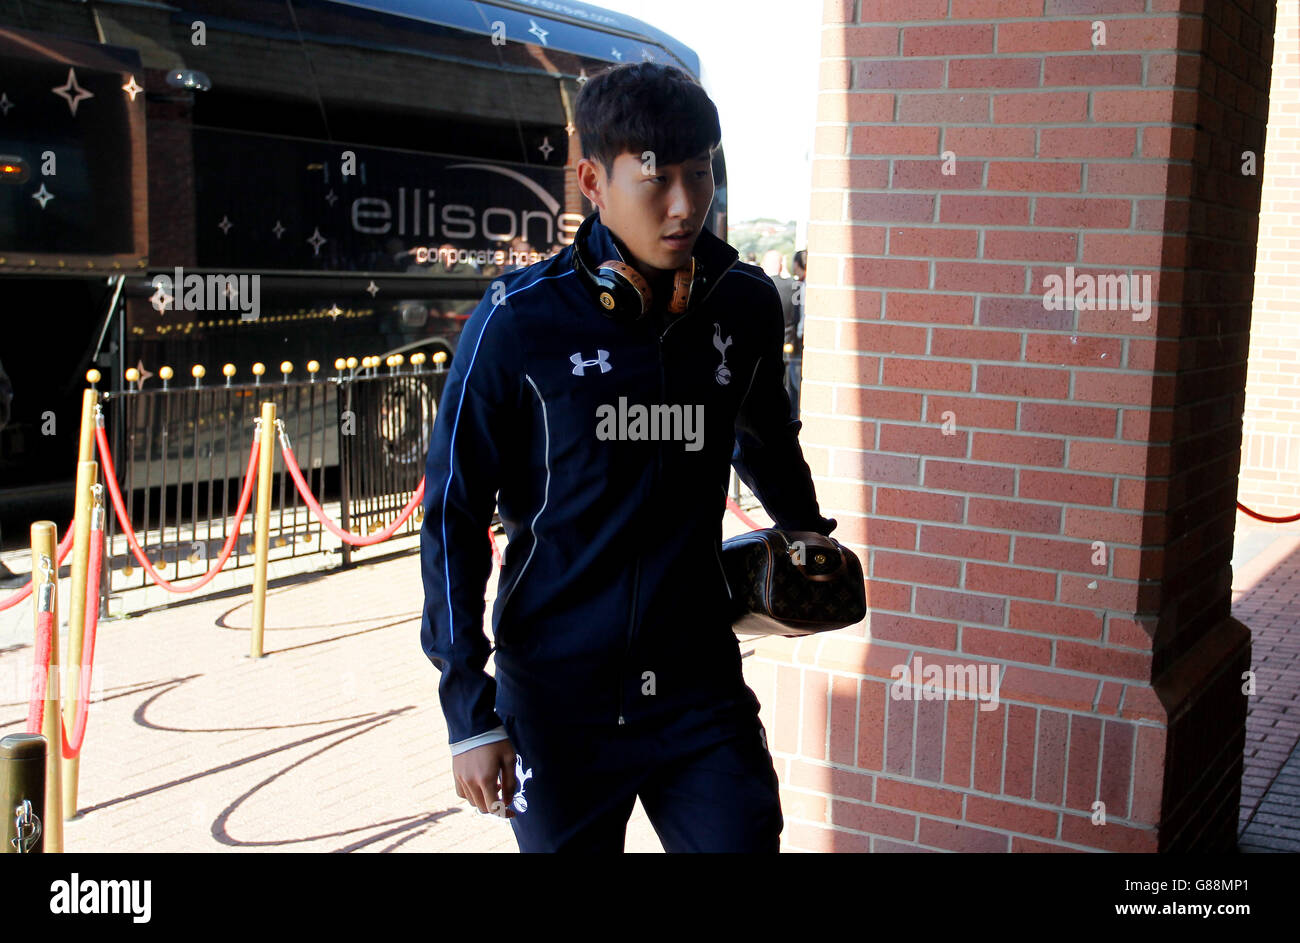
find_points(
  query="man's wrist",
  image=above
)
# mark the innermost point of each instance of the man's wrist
(478, 740)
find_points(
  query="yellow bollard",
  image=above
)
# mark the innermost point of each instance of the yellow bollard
(87, 475)
(262, 526)
(44, 542)
(22, 780)
(86, 442)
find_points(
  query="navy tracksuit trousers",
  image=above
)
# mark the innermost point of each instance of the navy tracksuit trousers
(704, 776)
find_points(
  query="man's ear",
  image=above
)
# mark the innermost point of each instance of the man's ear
(591, 181)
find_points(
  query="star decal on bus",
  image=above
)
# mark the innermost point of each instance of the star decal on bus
(225, 225)
(5, 104)
(160, 300)
(71, 92)
(537, 31)
(42, 196)
(277, 229)
(316, 241)
(131, 88)
(372, 288)
(546, 148)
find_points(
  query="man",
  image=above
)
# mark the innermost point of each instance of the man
(603, 428)
(773, 262)
(794, 334)
(8, 578)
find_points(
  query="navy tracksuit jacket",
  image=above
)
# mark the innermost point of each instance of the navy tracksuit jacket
(612, 582)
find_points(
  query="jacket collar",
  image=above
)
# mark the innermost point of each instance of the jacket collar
(713, 256)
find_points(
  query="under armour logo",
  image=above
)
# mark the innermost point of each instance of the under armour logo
(580, 365)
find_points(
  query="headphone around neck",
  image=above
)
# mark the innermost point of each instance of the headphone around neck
(620, 290)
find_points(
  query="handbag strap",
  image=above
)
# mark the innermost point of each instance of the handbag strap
(816, 556)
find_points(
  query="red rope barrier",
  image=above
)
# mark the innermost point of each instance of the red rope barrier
(64, 548)
(745, 519)
(749, 521)
(110, 477)
(40, 682)
(1264, 517)
(72, 748)
(346, 536)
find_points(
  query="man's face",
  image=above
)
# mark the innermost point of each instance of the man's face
(644, 209)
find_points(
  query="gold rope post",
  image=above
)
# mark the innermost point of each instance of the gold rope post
(87, 475)
(262, 526)
(44, 574)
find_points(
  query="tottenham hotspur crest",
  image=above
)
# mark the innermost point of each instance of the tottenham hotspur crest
(723, 373)
(521, 777)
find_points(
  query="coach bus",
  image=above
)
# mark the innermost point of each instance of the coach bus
(349, 174)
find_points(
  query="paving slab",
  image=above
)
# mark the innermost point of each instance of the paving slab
(334, 741)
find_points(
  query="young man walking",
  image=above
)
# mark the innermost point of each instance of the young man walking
(598, 399)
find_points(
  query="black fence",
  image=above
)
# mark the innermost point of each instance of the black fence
(180, 454)
(385, 423)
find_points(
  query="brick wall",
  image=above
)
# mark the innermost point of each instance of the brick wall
(1045, 492)
(1270, 455)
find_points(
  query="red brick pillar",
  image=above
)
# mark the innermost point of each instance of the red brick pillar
(1047, 492)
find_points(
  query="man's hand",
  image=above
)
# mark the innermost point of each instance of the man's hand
(479, 772)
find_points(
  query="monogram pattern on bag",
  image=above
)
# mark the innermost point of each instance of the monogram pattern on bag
(768, 583)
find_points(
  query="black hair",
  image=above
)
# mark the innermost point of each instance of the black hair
(801, 259)
(645, 106)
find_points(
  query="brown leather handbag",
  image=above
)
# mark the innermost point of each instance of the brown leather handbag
(792, 583)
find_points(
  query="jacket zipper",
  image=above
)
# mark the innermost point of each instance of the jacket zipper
(659, 463)
(717, 551)
(631, 625)
(696, 305)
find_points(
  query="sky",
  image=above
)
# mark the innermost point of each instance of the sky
(760, 66)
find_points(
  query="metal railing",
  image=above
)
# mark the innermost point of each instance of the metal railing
(382, 460)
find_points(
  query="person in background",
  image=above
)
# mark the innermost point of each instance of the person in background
(8, 578)
(517, 254)
(445, 265)
(794, 369)
(773, 262)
